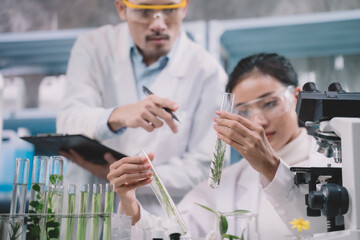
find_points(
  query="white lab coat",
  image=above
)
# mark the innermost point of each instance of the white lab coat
(275, 203)
(100, 76)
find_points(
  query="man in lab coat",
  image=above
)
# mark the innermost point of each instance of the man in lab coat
(105, 101)
(265, 132)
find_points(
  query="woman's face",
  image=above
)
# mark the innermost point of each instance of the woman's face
(261, 98)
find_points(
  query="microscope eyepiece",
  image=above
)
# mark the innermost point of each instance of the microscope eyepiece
(336, 87)
(310, 87)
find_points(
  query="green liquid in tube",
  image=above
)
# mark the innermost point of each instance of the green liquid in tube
(70, 220)
(81, 227)
(95, 220)
(109, 208)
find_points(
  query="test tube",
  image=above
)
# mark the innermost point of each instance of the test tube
(108, 209)
(163, 197)
(95, 210)
(70, 211)
(56, 169)
(84, 204)
(54, 203)
(37, 197)
(21, 176)
(217, 162)
(38, 182)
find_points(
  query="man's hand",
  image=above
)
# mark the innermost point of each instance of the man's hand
(96, 169)
(148, 114)
(127, 174)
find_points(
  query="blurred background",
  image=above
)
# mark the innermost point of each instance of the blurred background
(321, 37)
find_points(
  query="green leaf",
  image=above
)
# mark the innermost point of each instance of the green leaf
(60, 177)
(242, 211)
(53, 179)
(55, 233)
(31, 211)
(207, 208)
(34, 204)
(223, 225)
(52, 224)
(36, 187)
(229, 236)
(38, 196)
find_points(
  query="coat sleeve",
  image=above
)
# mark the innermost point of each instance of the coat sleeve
(81, 105)
(288, 200)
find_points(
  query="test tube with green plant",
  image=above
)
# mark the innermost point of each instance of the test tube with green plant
(18, 199)
(217, 162)
(36, 221)
(83, 210)
(70, 211)
(54, 197)
(163, 197)
(108, 209)
(95, 210)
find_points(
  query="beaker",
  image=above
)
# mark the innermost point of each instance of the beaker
(218, 157)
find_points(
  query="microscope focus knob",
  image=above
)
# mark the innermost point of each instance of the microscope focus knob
(316, 200)
(310, 87)
(336, 87)
(332, 200)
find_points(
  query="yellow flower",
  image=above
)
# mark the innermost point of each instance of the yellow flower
(300, 224)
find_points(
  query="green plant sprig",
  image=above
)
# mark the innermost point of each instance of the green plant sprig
(218, 161)
(223, 223)
(15, 230)
(33, 227)
(52, 225)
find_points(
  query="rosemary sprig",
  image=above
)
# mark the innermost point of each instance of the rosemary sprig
(217, 161)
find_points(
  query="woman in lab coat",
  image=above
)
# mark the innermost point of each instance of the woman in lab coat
(265, 132)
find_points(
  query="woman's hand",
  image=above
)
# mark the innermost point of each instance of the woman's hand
(249, 139)
(127, 174)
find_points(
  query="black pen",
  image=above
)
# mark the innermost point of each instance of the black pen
(148, 92)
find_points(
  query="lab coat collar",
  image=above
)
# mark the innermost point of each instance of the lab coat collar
(177, 55)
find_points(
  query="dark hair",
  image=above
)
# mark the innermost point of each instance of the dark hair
(271, 64)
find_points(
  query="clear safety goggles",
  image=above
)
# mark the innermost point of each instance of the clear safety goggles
(269, 107)
(147, 13)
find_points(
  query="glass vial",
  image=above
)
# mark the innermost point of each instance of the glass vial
(108, 209)
(71, 199)
(56, 170)
(82, 220)
(36, 221)
(217, 162)
(95, 210)
(163, 197)
(21, 176)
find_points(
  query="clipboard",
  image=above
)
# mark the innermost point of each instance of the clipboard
(92, 150)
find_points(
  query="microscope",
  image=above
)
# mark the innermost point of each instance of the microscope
(333, 118)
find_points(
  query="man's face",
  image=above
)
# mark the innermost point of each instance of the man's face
(154, 31)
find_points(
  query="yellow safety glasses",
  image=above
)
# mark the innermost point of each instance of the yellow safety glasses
(145, 14)
(182, 4)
